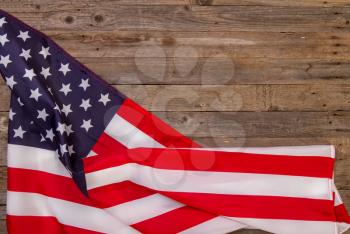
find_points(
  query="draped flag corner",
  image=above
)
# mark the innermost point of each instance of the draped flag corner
(84, 158)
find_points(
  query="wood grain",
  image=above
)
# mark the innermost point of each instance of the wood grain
(238, 44)
(96, 16)
(230, 98)
(226, 73)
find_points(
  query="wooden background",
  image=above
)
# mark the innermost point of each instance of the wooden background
(226, 73)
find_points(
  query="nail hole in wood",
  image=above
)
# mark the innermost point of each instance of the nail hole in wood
(69, 19)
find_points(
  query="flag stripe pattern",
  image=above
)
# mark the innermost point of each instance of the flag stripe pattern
(83, 158)
(313, 152)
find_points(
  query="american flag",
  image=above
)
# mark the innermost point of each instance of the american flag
(83, 158)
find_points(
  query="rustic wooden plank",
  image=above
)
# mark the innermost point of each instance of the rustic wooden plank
(97, 16)
(240, 97)
(248, 128)
(3, 228)
(219, 71)
(30, 5)
(3, 184)
(308, 97)
(259, 124)
(237, 44)
(231, 97)
(223, 128)
(271, 3)
(189, 98)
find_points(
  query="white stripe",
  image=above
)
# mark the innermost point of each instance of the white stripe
(68, 213)
(91, 153)
(145, 208)
(128, 135)
(343, 227)
(282, 226)
(26, 157)
(312, 150)
(337, 199)
(218, 225)
(213, 182)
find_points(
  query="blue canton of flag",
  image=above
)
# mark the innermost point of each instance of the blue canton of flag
(56, 102)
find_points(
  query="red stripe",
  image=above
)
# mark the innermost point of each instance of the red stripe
(100, 162)
(219, 161)
(342, 214)
(153, 126)
(173, 222)
(215, 161)
(40, 224)
(269, 207)
(25, 180)
(115, 194)
(106, 144)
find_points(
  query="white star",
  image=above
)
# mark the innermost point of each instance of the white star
(45, 72)
(29, 73)
(45, 51)
(42, 114)
(3, 39)
(84, 84)
(65, 89)
(35, 94)
(20, 102)
(64, 68)
(57, 108)
(2, 21)
(23, 35)
(71, 150)
(68, 129)
(19, 132)
(66, 109)
(10, 81)
(25, 54)
(49, 134)
(11, 114)
(42, 138)
(86, 125)
(85, 104)
(5, 60)
(104, 98)
(61, 128)
(63, 149)
(50, 91)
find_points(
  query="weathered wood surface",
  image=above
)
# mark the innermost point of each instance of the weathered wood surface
(96, 16)
(226, 73)
(231, 97)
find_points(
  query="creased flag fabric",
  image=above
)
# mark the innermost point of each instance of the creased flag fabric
(84, 158)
